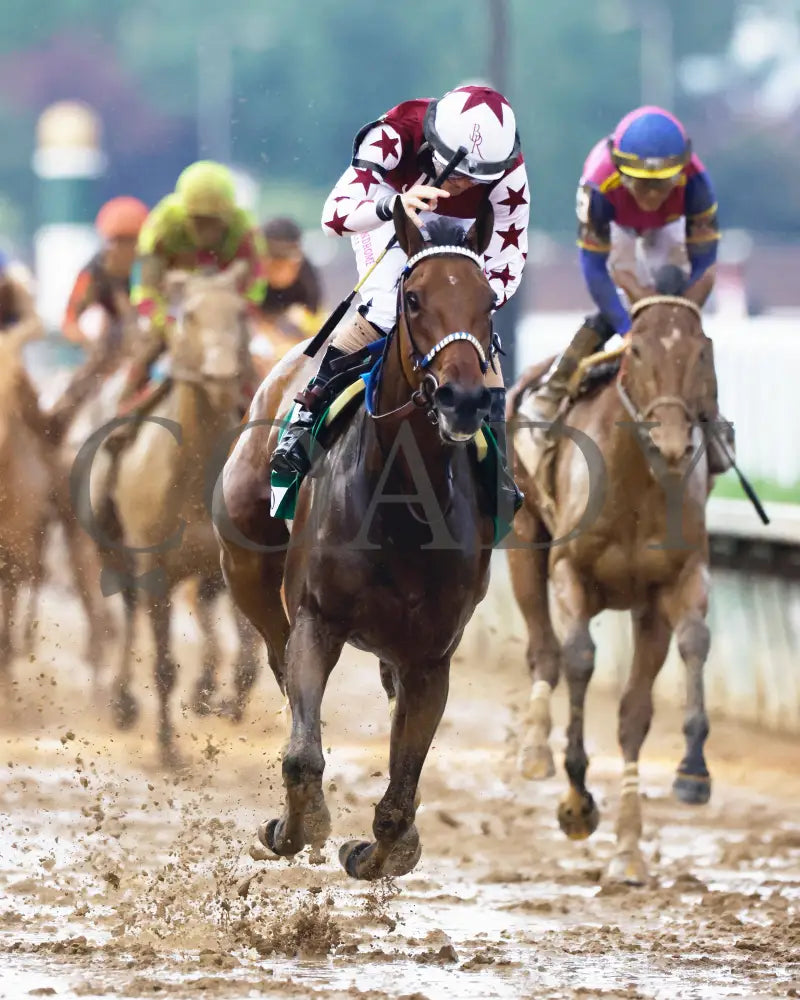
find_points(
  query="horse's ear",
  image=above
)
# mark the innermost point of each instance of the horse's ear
(702, 288)
(233, 277)
(408, 235)
(628, 283)
(480, 233)
(175, 284)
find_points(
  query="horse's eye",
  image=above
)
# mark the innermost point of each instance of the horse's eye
(636, 352)
(412, 301)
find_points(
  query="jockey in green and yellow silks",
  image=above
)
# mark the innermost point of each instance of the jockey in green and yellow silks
(197, 228)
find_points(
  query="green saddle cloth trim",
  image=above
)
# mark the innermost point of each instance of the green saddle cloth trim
(285, 489)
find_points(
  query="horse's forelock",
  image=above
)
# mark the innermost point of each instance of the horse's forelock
(445, 232)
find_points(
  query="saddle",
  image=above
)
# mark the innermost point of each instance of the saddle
(359, 375)
(592, 374)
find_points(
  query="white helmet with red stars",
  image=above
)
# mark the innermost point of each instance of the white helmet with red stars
(481, 120)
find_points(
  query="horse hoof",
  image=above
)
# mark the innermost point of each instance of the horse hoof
(125, 710)
(626, 868)
(357, 857)
(349, 853)
(271, 835)
(536, 763)
(580, 823)
(692, 789)
(266, 834)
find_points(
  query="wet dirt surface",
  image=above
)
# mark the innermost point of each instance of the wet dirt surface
(119, 880)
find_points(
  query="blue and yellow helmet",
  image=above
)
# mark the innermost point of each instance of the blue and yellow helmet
(651, 143)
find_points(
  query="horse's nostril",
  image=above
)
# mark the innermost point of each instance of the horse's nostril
(445, 397)
(485, 401)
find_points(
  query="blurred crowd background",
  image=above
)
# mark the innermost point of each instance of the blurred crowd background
(279, 89)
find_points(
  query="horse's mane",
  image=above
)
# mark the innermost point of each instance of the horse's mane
(444, 232)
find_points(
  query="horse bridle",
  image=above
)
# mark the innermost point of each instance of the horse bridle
(641, 416)
(422, 397)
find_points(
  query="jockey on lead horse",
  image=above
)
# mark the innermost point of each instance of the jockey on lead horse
(644, 200)
(398, 156)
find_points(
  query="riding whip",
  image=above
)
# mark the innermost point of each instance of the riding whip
(336, 316)
(747, 486)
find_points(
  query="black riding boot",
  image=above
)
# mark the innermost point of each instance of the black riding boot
(292, 455)
(509, 497)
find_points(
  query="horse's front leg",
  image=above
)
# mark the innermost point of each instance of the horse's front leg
(651, 636)
(166, 670)
(421, 698)
(577, 813)
(687, 607)
(311, 654)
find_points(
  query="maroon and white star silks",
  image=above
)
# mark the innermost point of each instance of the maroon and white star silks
(389, 157)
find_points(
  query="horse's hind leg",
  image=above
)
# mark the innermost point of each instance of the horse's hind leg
(528, 567)
(421, 699)
(311, 654)
(206, 686)
(687, 611)
(651, 635)
(8, 596)
(35, 580)
(246, 669)
(577, 813)
(253, 546)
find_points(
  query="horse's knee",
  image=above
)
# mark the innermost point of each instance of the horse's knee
(694, 640)
(579, 655)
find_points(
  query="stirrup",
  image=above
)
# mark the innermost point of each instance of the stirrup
(291, 456)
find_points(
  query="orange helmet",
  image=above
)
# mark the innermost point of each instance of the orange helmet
(121, 217)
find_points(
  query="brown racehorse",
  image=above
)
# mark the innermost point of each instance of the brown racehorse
(160, 482)
(26, 487)
(384, 580)
(645, 549)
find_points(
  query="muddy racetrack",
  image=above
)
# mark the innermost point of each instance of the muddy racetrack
(119, 880)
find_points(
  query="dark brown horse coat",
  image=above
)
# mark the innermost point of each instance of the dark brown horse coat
(399, 576)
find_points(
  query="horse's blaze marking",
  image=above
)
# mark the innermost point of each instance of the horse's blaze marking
(452, 279)
(670, 341)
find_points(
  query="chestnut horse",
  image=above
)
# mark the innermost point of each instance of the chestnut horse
(399, 577)
(630, 485)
